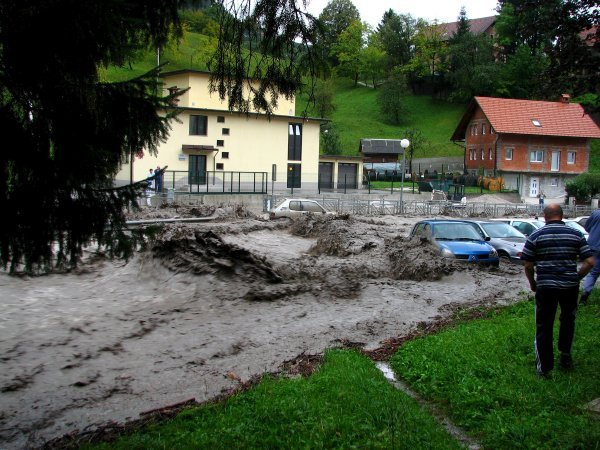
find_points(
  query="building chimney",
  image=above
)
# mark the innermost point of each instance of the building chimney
(565, 98)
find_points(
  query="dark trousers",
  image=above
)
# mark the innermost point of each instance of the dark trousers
(546, 304)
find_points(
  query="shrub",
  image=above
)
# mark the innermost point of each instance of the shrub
(584, 187)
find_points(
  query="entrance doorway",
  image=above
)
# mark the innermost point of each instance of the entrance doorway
(534, 187)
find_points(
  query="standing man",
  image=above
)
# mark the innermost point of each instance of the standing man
(592, 226)
(554, 251)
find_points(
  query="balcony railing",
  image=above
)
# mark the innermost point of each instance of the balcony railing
(216, 182)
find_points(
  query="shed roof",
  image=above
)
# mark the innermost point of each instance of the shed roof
(390, 146)
(531, 117)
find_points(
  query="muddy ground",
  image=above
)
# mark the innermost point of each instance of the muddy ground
(211, 305)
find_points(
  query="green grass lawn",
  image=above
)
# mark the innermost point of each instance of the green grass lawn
(480, 372)
(347, 403)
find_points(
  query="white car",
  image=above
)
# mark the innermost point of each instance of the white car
(382, 206)
(528, 226)
(294, 207)
(525, 226)
(577, 226)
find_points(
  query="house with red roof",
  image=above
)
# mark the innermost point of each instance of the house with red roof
(535, 146)
(482, 25)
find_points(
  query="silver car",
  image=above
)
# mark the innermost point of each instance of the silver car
(507, 240)
(294, 207)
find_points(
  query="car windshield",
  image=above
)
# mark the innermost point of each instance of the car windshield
(455, 232)
(500, 230)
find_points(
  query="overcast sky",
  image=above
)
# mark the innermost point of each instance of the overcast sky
(371, 11)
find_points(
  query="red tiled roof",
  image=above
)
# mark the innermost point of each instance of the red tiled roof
(555, 118)
(476, 26)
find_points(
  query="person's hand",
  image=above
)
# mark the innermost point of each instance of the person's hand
(533, 285)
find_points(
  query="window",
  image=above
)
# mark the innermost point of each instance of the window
(490, 153)
(225, 131)
(483, 128)
(474, 130)
(555, 164)
(225, 155)
(220, 143)
(482, 153)
(571, 157)
(220, 166)
(295, 141)
(536, 123)
(492, 131)
(221, 119)
(553, 181)
(536, 156)
(198, 125)
(508, 154)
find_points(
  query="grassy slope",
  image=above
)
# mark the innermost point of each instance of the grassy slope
(357, 116)
(192, 52)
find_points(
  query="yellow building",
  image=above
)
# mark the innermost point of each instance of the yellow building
(210, 146)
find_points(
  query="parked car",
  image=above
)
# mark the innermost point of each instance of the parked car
(581, 220)
(383, 206)
(507, 240)
(293, 207)
(457, 239)
(525, 226)
(577, 226)
(528, 226)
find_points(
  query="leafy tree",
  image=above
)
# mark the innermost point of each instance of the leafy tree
(472, 66)
(348, 48)
(430, 58)
(391, 99)
(335, 18)
(69, 131)
(324, 94)
(396, 34)
(372, 64)
(518, 77)
(584, 187)
(417, 143)
(553, 31)
(330, 140)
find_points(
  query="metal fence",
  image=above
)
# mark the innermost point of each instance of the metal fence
(434, 208)
(216, 182)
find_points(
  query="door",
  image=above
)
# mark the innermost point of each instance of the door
(347, 177)
(294, 176)
(326, 175)
(534, 187)
(197, 169)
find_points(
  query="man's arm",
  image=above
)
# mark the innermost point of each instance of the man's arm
(530, 274)
(586, 265)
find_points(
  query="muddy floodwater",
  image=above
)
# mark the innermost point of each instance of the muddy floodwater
(209, 306)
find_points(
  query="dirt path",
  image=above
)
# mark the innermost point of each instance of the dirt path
(212, 304)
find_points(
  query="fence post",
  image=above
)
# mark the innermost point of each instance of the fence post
(345, 183)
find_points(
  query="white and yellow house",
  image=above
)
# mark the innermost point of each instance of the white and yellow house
(210, 142)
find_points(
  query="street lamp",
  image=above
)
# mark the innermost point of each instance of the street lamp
(404, 143)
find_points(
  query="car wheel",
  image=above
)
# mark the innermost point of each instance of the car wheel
(504, 258)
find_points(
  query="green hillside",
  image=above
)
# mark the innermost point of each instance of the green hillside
(192, 52)
(357, 116)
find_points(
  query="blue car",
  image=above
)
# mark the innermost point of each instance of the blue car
(457, 239)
